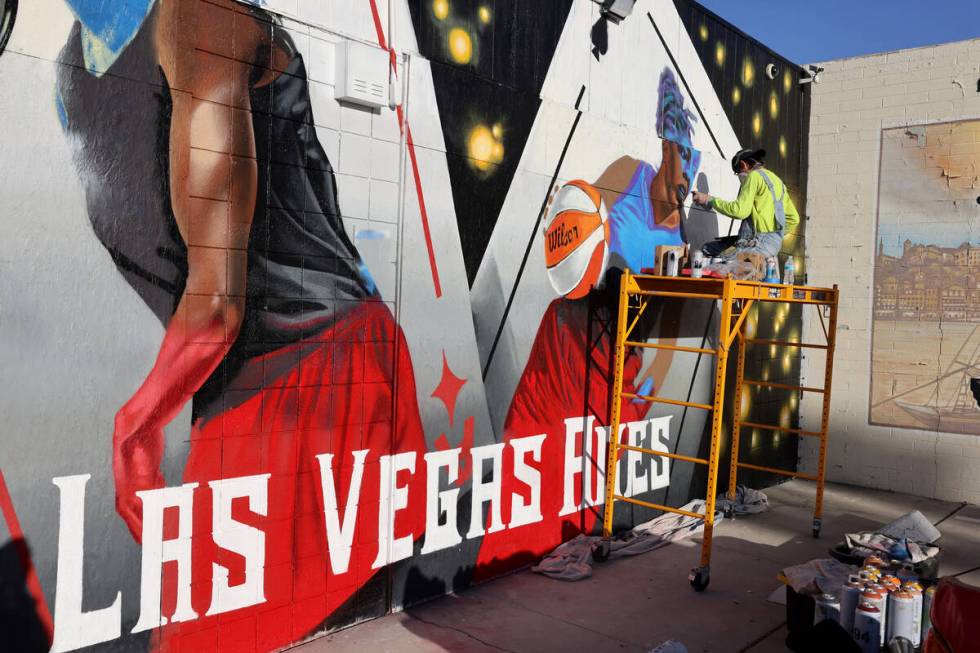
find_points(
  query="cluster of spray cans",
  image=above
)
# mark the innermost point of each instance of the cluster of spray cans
(882, 602)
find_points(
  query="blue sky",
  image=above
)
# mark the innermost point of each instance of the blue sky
(806, 31)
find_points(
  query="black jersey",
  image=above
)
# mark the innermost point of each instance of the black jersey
(303, 269)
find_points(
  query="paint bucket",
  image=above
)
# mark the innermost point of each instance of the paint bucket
(927, 597)
(826, 607)
(901, 617)
(850, 595)
(867, 627)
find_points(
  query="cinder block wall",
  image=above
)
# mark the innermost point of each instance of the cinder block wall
(856, 101)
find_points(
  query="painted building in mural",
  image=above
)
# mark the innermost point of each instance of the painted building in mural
(277, 363)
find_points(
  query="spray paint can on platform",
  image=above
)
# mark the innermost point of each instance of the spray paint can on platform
(850, 595)
(697, 264)
(901, 617)
(867, 627)
(927, 597)
(915, 590)
(672, 263)
(827, 607)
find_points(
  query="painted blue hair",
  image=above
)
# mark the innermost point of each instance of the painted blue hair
(675, 122)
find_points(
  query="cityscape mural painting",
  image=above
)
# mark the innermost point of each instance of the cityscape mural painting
(269, 385)
(927, 290)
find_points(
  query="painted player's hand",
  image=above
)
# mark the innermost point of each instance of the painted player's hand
(701, 198)
(137, 449)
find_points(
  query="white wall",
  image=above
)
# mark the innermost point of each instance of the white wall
(854, 100)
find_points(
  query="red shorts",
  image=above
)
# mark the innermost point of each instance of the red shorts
(337, 396)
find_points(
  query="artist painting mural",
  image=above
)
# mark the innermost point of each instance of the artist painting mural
(269, 383)
(926, 304)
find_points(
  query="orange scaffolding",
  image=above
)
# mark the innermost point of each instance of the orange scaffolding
(737, 299)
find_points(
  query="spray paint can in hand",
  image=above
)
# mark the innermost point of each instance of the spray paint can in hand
(697, 264)
(850, 595)
(867, 627)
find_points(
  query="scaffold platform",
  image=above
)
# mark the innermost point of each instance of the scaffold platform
(737, 298)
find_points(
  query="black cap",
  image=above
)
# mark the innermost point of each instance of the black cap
(747, 153)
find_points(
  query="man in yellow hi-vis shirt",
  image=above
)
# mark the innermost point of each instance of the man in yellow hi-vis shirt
(764, 199)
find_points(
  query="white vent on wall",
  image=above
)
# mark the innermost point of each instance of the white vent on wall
(362, 74)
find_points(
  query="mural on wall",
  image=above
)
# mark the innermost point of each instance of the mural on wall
(926, 342)
(645, 209)
(289, 394)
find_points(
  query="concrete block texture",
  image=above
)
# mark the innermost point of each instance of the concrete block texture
(893, 180)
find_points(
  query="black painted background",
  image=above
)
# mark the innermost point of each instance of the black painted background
(501, 84)
(792, 124)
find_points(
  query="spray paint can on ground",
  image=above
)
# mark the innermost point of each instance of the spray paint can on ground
(850, 595)
(901, 617)
(827, 607)
(916, 591)
(891, 583)
(867, 627)
(927, 597)
(878, 597)
(874, 560)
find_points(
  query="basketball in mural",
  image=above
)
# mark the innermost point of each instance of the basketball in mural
(575, 238)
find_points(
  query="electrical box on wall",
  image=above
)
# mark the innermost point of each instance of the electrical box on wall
(362, 74)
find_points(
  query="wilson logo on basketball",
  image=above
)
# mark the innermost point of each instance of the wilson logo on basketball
(560, 237)
(575, 239)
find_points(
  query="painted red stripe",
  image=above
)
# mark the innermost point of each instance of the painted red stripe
(406, 128)
(17, 536)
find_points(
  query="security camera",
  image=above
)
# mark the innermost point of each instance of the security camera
(772, 71)
(615, 10)
(810, 73)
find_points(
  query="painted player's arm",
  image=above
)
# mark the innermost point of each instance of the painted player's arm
(213, 179)
(741, 207)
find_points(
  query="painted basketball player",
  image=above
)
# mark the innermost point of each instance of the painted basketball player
(568, 370)
(205, 181)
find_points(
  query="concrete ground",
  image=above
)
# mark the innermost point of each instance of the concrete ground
(634, 604)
